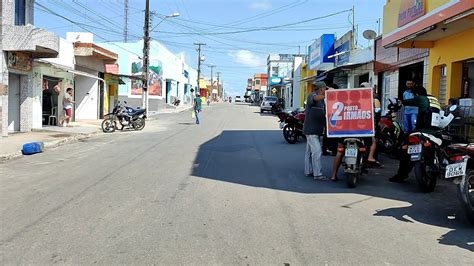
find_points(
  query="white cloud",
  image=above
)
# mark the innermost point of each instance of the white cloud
(246, 57)
(262, 5)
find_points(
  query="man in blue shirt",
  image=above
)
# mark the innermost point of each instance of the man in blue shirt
(410, 113)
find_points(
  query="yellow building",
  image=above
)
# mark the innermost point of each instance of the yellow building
(307, 82)
(446, 27)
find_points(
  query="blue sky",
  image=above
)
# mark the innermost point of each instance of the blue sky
(239, 34)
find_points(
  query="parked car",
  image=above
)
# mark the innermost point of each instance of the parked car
(267, 103)
(238, 99)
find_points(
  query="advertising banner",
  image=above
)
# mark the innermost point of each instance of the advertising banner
(320, 50)
(349, 113)
(410, 10)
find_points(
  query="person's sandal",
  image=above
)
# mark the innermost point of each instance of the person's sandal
(376, 164)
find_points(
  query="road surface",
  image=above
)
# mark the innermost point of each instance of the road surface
(229, 191)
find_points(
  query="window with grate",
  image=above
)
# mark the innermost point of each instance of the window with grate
(442, 95)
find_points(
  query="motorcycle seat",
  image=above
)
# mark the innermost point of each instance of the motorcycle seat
(432, 138)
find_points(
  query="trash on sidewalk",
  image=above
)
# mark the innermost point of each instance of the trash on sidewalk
(32, 148)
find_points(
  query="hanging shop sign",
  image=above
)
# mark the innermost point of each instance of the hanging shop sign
(349, 113)
(320, 51)
(20, 61)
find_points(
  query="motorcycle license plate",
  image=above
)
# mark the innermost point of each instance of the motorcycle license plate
(456, 169)
(414, 149)
(351, 152)
(282, 125)
(415, 157)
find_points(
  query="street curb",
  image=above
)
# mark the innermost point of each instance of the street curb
(154, 116)
(50, 145)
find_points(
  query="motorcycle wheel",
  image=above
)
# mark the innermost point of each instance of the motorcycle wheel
(108, 126)
(352, 179)
(290, 135)
(426, 177)
(139, 124)
(466, 194)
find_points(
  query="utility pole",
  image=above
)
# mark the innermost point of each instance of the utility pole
(353, 28)
(212, 80)
(146, 59)
(378, 30)
(125, 24)
(199, 63)
(218, 88)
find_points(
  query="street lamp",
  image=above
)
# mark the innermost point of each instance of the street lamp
(146, 51)
(172, 15)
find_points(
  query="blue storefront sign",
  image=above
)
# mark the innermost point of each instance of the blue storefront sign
(276, 80)
(320, 50)
(342, 49)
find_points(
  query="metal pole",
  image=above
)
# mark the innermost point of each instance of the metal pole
(212, 80)
(353, 28)
(146, 60)
(199, 64)
(125, 25)
(218, 88)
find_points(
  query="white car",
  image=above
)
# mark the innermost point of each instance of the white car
(267, 103)
(238, 99)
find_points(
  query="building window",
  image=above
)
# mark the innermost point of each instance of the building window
(275, 71)
(257, 82)
(442, 85)
(20, 12)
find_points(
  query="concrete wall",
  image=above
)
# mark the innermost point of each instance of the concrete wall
(297, 83)
(173, 69)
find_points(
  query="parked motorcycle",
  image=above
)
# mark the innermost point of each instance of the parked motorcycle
(277, 107)
(292, 125)
(354, 161)
(126, 116)
(428, 151)
(460, 170)
(176, 102)
(390, 134)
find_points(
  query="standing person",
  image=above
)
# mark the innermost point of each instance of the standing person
(68, 101)
(197, 107)
(409, 116)
(423, 124)
(314, 124)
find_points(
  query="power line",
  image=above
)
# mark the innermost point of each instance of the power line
(81, 26)
(264, 28)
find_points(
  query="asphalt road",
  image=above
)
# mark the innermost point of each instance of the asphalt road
(229, 191)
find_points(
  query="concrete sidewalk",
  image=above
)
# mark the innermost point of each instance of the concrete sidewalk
(51, 136)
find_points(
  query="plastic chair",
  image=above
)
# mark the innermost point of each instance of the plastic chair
(53, 116)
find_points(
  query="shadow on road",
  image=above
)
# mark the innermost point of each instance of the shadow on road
(261, 158)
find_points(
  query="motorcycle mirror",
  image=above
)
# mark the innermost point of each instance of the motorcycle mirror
(453, 108)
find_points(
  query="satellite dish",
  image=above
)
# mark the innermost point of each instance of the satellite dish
(369, 34)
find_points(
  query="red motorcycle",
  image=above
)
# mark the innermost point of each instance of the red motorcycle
(292, 125)
(389, 132)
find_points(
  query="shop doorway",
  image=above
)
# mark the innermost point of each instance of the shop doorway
(467, 79)
(168, 91)
(101, 96)
(13, 102)
(50, 100)
(413, 72)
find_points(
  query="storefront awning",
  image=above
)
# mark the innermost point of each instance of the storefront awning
(84, 74)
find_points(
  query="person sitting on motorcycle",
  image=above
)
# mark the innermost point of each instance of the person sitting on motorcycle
(370, 142)
(423, 124)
